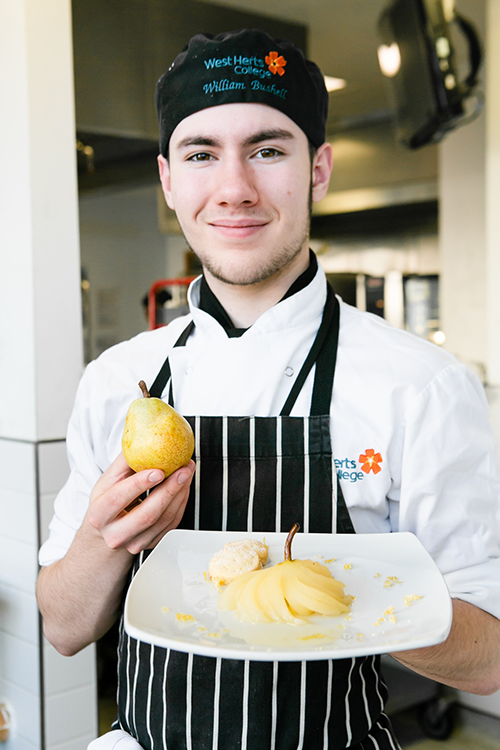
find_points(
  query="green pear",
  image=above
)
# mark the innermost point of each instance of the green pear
(156, 436)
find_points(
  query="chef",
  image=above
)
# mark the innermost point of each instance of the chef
(304, 410)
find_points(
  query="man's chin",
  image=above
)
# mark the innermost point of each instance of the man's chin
(239, 278)
(245, 277)
(237, 266)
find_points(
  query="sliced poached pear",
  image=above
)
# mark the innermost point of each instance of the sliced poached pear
(288, 592)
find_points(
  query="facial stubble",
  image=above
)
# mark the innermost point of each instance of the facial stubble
(272, 267)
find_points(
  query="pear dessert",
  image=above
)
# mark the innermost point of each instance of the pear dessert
(156, 436)
(289, 592)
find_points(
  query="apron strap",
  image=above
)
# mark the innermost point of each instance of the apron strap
(325, 365)
(323, 353)
(164, 375)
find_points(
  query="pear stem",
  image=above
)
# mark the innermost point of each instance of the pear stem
(288, 543)
(143, 387)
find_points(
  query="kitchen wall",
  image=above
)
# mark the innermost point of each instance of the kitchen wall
(51, 698)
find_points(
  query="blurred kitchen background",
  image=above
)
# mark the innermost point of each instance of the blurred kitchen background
(411, 234)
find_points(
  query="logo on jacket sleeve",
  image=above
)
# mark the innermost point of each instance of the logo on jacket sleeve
(370, 461)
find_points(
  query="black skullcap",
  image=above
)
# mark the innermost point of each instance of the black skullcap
(242, 66)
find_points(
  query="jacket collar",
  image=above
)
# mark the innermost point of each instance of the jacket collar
(294, 310)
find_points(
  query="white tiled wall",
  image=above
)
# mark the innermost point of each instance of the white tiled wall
(25, 707)
(30, 476)
(61, 674)
(53, 466)
(19, 628)
(19, 660)
(53, 471)
(69, 716)
(69, 683)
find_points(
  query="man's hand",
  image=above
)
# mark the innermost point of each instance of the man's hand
(81, 595)
(124, 525)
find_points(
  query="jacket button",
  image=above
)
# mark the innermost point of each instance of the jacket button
(289, 372)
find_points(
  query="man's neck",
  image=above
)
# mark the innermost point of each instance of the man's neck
(246, 303)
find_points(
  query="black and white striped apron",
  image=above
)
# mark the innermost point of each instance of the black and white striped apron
(258, 474)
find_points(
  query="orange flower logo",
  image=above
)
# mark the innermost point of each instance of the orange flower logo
(276, 63)
(370, 461)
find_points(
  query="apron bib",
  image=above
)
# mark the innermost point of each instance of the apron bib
(258, 474)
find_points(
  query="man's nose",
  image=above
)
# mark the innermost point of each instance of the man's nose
(236, 183)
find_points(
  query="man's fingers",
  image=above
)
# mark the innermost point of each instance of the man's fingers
(169, 519)
(165, 500)
(163, 508)
(113, 496)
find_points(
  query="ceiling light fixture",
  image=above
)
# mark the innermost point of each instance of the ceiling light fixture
(389, 58)
(334, 84)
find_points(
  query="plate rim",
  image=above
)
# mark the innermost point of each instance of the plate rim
(271, 653)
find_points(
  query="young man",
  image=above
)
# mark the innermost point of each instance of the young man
(243, 154)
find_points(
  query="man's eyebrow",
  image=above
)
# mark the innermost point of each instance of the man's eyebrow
(259, 137)
(268, 135)
(197, 140)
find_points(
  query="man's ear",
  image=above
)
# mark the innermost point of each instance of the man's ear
(321, 171)
(164, 168)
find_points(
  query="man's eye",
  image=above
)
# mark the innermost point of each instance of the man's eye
(200, 156)
(268, 153)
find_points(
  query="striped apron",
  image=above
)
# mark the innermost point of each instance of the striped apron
(258, 474)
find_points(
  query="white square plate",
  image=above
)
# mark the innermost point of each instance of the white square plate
(401, 599)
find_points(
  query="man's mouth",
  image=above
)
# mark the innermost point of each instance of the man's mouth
(238, 228)
(238, 223)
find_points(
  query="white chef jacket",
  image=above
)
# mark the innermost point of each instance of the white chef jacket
(402, 400)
